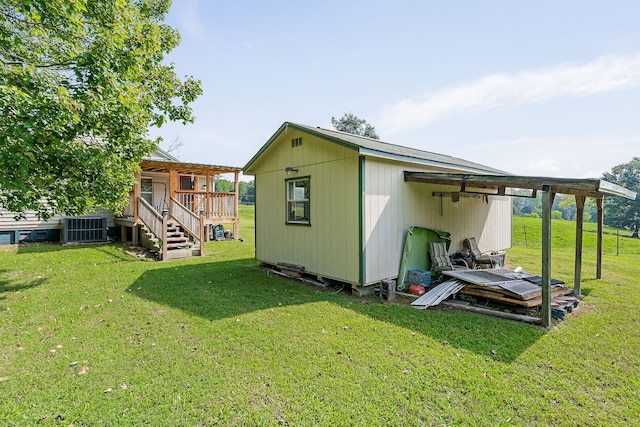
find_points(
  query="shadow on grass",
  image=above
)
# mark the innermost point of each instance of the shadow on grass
(227, 289)
(8, 285)
(31, 248)
(113, 250)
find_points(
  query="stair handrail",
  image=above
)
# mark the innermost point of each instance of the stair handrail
(189, 221)
(150, 217)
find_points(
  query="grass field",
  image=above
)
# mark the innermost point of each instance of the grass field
(90, 335)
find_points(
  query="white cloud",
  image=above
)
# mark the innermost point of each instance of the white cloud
(568, 156)
(188, 15)
(604, 74)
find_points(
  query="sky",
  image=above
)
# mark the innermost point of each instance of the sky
(541, 88)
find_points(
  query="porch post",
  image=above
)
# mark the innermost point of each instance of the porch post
(196, 199)
(136, 216)
(136, 197)
(207, 196)
(236, 214)
(599, 242)
(173, 186)
(578, 261)
(547, 202)
(203, 233)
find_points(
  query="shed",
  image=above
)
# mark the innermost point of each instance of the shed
(338, 204)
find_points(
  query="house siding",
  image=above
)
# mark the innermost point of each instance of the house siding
(31, 222)
(392, 205)
(329, 246)
(7, 223)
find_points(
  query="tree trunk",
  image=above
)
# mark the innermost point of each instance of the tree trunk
(635, 233)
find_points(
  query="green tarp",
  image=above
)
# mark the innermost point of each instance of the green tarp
(415, 253)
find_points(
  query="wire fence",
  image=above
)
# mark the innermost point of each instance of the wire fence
(563, 236)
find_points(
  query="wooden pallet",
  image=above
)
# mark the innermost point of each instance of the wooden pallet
(562, 306)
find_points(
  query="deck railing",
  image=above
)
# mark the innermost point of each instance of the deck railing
(220, 205)
(150, 217)
(189, 221)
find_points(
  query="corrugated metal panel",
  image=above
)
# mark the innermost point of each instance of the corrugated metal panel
(438, 294)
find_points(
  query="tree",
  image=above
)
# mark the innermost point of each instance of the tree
(174, 147)
(247, 192)
(621, 212)
(566, 205)
(352, 124)
(223, 185)
(80, 83)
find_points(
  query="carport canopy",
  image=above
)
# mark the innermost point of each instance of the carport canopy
(506, 185)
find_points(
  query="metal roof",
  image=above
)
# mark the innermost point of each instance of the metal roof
(186, 168)
(160, 154)
(375, 148)
(592, 187)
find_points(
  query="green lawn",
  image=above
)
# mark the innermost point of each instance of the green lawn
(92, 336)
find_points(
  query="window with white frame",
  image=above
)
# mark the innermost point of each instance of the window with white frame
(298, 201)
(146, 189)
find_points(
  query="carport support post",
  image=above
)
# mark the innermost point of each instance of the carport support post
(579, 223)
(547, 202)
(599, 242)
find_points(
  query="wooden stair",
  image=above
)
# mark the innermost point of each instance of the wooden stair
(178, 243)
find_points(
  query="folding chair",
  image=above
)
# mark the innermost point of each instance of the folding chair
(440, 260)
(479, 258)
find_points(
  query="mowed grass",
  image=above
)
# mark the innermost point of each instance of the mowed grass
(93, 336)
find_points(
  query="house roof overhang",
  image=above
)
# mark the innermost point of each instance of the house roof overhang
(186, 168)
(501, 184)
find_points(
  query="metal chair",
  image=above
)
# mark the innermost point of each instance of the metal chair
(481, 258)
(440, 260)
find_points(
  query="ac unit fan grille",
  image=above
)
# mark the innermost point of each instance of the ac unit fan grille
(85, 230)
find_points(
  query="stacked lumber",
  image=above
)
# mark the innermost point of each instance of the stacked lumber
(506, 286)
(532, 298)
